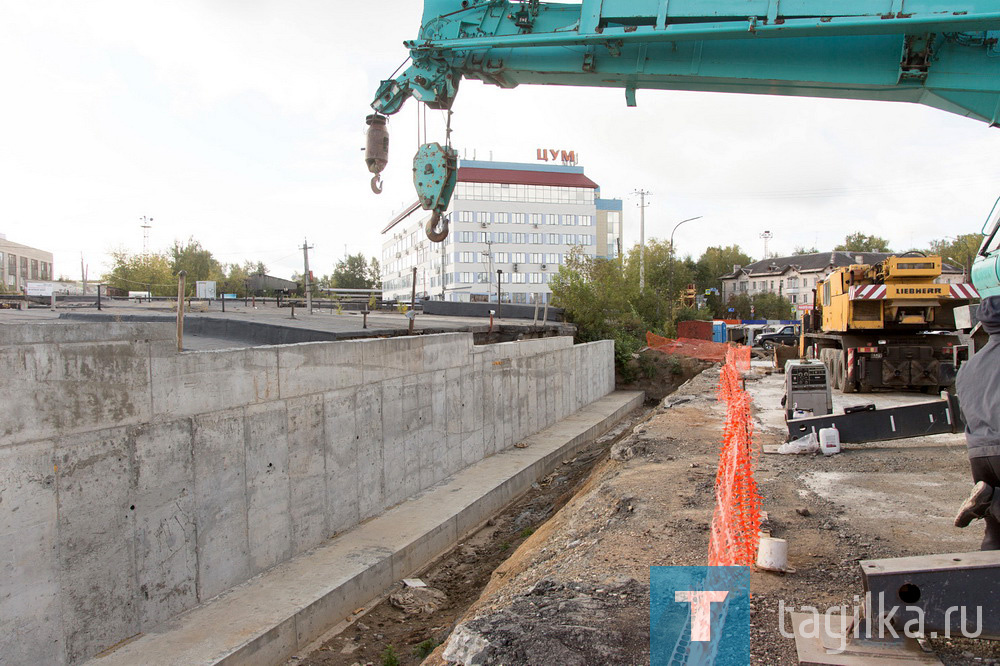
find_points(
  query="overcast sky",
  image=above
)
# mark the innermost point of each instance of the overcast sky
(240, 123)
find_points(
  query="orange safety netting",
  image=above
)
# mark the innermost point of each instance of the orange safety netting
(706, 350)
(736, 521)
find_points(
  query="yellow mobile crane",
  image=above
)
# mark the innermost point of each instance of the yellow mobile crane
(887, 325)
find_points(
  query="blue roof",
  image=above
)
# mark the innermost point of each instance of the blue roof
(608, 204)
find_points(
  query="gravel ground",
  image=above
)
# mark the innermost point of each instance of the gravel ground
(580, 584)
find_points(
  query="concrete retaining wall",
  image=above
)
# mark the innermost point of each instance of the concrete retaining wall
(136, 482)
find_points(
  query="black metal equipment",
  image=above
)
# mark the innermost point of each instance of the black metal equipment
(869, 425)
(937, 588)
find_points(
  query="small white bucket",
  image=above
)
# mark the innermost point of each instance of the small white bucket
(829, 441)
(772, 554)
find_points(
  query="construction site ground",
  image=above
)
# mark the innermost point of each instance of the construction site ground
(570, 585)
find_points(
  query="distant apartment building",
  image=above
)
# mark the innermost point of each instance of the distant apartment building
(522, 220)
(795, 277)
(21, 263)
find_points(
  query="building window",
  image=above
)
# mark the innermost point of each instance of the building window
(500, 237)
(517, 278)
(501, 257)
(536, 219)
(569, 220)
(535, 239)
(551, 218)
(11, 265)
(743, 287)
(794, 298)
(587, 220)
(467, 257)
(517, 238)
(465, 216)
(501, 218)
(518, 257)
(482, 218)
(552, 258)
(24, 268)
(517, 218)
(482, 278)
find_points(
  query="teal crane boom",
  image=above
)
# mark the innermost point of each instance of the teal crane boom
(940, 54)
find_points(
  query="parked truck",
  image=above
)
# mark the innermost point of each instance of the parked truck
(887, 325)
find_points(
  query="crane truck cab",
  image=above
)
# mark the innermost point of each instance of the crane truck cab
(888, 325)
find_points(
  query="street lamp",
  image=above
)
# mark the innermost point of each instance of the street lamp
(670, 293)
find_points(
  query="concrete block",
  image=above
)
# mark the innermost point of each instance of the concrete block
(165, 546)
(371, 466)
(269, 517)
(472, 438)
(447, 350)
(96, 485)
(415, 401)
(219, 450)
(307, 472)
(316, 619)
(434, 450)
(30, 623)
(487, 378)
(198, 382)
(394, 467)
(271, 647)
(341, 440)
(391, 358)
(50, 390)
(316, 367)
(431, 542)
(453, 457)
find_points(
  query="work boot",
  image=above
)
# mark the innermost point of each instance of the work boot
(976, 505)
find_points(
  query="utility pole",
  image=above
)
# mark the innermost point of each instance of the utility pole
(642, 238)
(489, 253)
(83, 274)
(305, 260)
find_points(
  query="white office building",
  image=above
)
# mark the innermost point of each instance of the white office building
(519, 219)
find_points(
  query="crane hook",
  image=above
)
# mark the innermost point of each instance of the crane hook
(437, 236)
(377, 183)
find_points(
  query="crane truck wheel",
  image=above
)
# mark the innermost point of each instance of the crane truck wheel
(845, 386)
(837, 369)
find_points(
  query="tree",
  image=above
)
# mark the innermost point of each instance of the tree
(141, 272)
(959, 251)
(716, 262)
(771, 306)
(197, 261)
(801, 249)
(355, 272)
(859, 242)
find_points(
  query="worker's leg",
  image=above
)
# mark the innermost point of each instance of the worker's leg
(988, 470)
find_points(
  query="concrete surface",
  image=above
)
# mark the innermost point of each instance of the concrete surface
(138, 482)
(269, 324)
(911, 498)
(270, 618)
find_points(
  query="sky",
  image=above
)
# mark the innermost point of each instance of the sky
(240, 123)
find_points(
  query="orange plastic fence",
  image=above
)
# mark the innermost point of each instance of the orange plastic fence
(703, 349)
(736, 521)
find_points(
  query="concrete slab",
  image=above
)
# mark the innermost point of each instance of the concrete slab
(267, 619)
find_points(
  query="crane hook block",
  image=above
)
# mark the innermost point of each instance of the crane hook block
(437, 227)
(377, 148)
(435, 173)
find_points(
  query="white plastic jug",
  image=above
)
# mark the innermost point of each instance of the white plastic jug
(829, 441)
